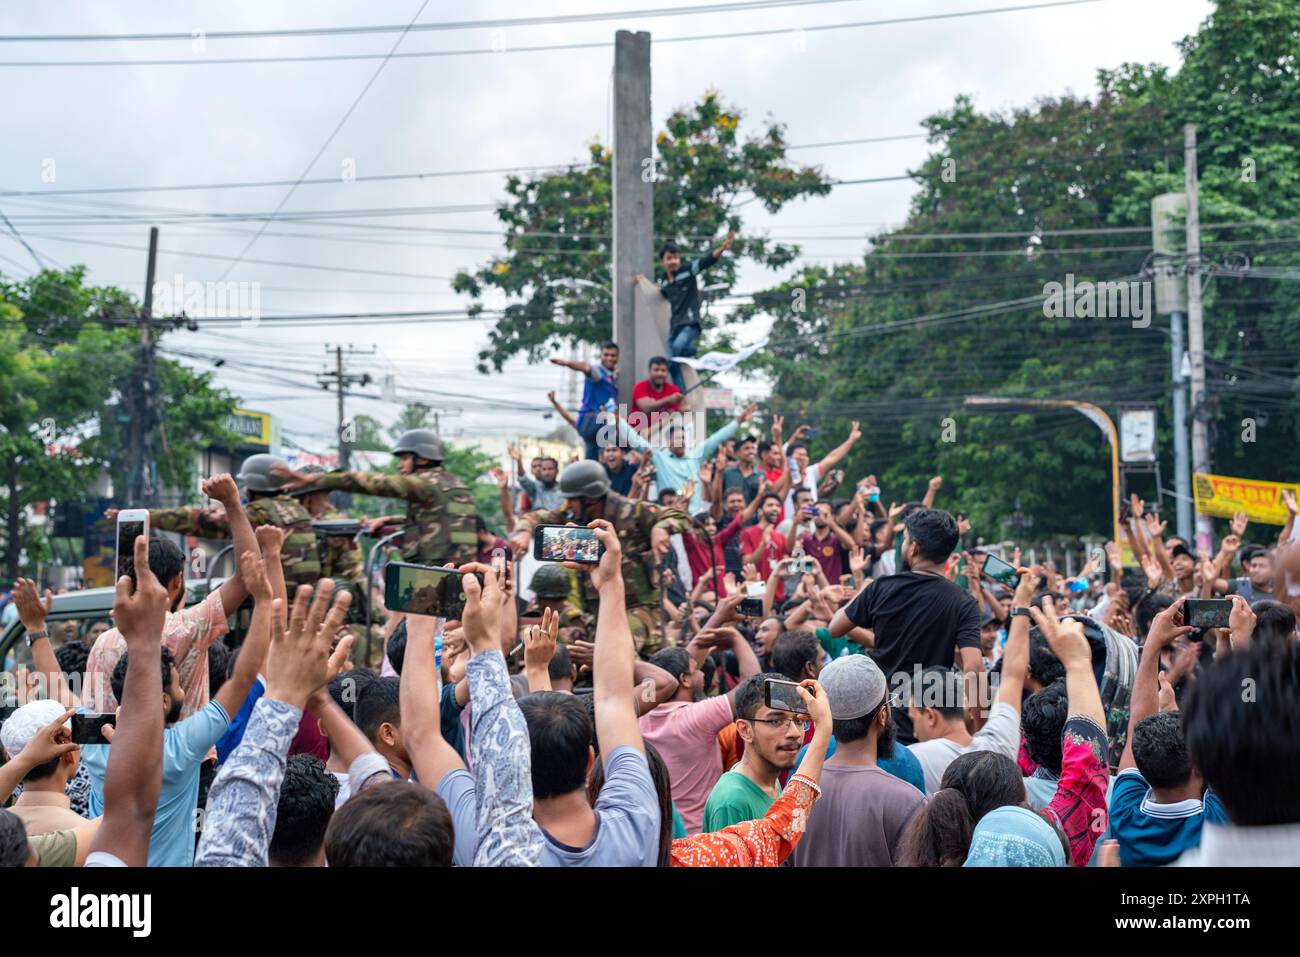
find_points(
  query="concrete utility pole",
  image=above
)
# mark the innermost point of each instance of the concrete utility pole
(1171, 300)
(633, 174)
(340, 380)
(144, 395)
(1195, 330)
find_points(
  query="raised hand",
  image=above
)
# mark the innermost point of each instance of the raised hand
(1288, 499)
(751, 572)
(52, 741)
(539, 641)
(1155, 575)
(936, 483)
(139, 615)
(1168, 626)
(1114, 557)
(858, 560)
(1155, 527)
(747, 414)
(1239, 523)
(816, 701)
(1166, 701)
(32, 609)
(299, 660)
(1136, 505)
(252, 570)
(1065, 638)
(481, 619)
(221, 487)
(855, 433)
(1027, 588)
(1241, 621)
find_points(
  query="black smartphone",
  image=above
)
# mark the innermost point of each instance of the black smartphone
(1207, 612)
(995, 569)
(782, 696)
(423, 590)
(750, 608)
(86, 728)
(566, 543)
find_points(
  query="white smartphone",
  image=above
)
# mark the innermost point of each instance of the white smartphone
(131, 522)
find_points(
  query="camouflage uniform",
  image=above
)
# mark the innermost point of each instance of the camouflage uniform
(298, 554)
(439, 511)
(633, 522)
(341, 555)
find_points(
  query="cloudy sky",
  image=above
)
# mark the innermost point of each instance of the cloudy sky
(196, 122)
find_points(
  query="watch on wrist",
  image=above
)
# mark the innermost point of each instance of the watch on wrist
(1021, 613)
(37, 636)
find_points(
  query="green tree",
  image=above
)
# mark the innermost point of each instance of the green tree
(555, 270)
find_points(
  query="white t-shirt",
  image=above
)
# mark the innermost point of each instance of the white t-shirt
(809, 480)
(885, 565)
(1000, 734)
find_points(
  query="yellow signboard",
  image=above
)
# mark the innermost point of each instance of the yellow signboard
(253, 428)
(1222, 496)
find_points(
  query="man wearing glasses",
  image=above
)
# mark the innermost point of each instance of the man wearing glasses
(772, 743)
(864, 809)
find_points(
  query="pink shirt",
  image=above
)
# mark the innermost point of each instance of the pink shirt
(186, 634)
(685, 733)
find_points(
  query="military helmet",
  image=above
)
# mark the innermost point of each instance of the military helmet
(550, 581)
(255, 474)
(422, 442)
(584, 479)
(308, 489)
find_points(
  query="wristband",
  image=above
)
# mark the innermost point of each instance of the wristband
(1021, 613)
(33, 636)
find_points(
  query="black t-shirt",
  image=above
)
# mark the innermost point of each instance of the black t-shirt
(917, 618)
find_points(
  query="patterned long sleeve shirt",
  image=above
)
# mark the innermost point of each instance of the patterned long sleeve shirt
(242, 802)
(507, 834)
(765, 842)
(1079, 804)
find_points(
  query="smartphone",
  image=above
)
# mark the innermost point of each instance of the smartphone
(1207, 612)
(566, 543)
(86, 727)
(131, 523)
(1077, 585)
(423, 590)
(782, 696)
(751, 606)
(809, 510)
(999, 571)
(806, 566)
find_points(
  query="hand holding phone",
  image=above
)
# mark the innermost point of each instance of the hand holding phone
(567, 543)
(434, 591)
(783, 696)
(131, 523)
(89, 728)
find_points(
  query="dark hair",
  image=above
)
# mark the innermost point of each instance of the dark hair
(766, 496)
(561, 666)
(1274, 624)
(669, 247)
(1145, 613)
(378, 703)
(608, 345)
(1160, 751)
(749, 694)
(347, 687)
(792, 650)
(396, 648)
(676, 661)
(14, 847)
(1242, 723)
(1042, 722)
(663, 791)
(166, 561)
(746, 438)
(796, 445)
(303, 812)
(934, 531)
(665, 492)
(72, 659)
(656, 361)
(218, 666)
(117, 681)
(946, 678)
(1250, 552)
(479, 526)
(390, 824)
(1044, 666)
(764, 445)
(559, 737)
(975, 783)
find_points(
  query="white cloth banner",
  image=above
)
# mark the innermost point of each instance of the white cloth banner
(719, 361)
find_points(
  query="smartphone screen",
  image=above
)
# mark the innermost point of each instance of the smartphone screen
(566, 543)
(782, 696)
(750, 607)
(127, 532)
(422, 589)
(1207, 612)
(999, 571)
(86, 728)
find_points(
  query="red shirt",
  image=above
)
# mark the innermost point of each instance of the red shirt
(646, 390)
(750, 539)
(829, 554)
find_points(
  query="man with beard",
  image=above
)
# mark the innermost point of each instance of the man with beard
(772, 742)
(918, 615)
(864, 810)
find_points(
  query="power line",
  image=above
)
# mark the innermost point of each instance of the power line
(329, 139)
(425, 27)
(542, 48)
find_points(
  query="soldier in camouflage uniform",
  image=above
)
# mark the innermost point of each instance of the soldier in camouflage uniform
(341, 556)
(439, 520)
(267, 505)
(643, 530)
(553, 588)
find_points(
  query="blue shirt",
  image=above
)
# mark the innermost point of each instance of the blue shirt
(185, 744)
(599, 391)
(1151, 834)
(235, 733)
(904, 765)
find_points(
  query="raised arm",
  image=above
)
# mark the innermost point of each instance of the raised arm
(612, 672)
(1165, 628)
(252, 655)
(51, 742)
(133, 777)
(32, 612)
(577, 365)
(932, 490)
(539, 648)
(222, 488)
(564, 413)
(1067, 641)
(1015, 658)
(431, 756)
(841, 450)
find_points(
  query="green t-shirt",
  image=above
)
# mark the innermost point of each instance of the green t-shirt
(56, 849)
(838, 647)
(735, 798)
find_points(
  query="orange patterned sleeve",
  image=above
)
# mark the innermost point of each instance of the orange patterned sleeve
(765, 842)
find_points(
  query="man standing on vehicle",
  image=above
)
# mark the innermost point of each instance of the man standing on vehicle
(599, 393)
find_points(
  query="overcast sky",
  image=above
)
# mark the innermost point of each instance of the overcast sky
(198, 124)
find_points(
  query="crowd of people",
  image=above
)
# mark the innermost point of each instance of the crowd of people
(633, 707)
